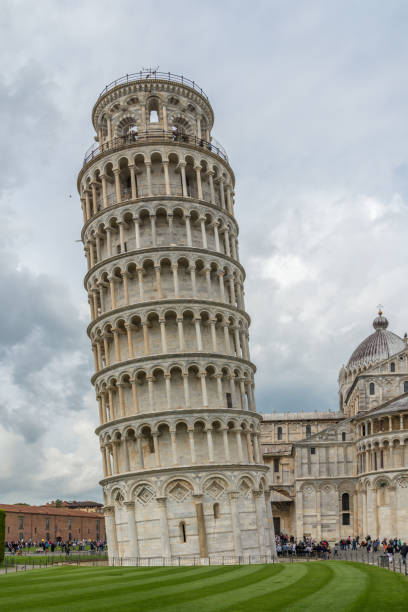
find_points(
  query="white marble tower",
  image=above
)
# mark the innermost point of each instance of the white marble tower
(179, 431)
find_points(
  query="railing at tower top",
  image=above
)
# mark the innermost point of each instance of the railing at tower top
(154, 135)
(153, 75)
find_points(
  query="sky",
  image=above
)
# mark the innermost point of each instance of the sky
(310, 104)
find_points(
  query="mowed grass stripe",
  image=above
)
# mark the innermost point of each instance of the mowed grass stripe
(124, 580)
(384, 590)
(316, 576)
(346, 585)
(137, 599)
(43, 580)
(190, 593)
(281, 577)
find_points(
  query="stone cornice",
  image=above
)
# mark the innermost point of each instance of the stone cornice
(142, 144)
(193, 302)
(170, 251)
(180, 413)
(182, 200)
(186, 469)
(164, 358)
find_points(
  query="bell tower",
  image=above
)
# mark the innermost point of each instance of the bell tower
(178, 427)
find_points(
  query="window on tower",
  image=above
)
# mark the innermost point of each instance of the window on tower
(279, 433)
(392, 367)
(308, 431)
(372, 388)
(406, 386)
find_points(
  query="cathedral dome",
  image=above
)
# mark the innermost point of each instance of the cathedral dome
(378, 346)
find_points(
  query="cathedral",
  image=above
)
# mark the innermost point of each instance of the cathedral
(190, 468)
(345, 473)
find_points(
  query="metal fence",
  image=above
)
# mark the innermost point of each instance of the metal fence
(154, 135)
(154, 75)
(23, 563)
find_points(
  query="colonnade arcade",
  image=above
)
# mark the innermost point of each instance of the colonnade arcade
(382, 442)
(152, 225)
(132, 280)
(172, 385)
(382, 503)
(177, 441)
(168, 330)
(163, 173)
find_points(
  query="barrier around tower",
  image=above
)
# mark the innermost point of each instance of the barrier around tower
(154, 136)
(154, 75)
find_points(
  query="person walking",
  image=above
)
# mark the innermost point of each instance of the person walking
(404, 551)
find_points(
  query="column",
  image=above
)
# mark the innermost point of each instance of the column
(104, 462)
(132, 535)
(182, 167)
(188, 230)
(140, 281)
(237, 342)
(210, 180)
(180, 333)
(140, 451)
(133, 181)
(166, 177)
(150, 389)
(318, 516)
(174, 268)
(106, 348)
(163, 335)
(204, 389)
(164, 527)
(126, 287)
(134, 396)
(236, 529)
(121, 237)
(158, 282)
(156, 449)
(222, 193)
(116, 172)
(269, 518)
(167, 381)
(104, 194)
(116, 342)
(110, 527)
(109, 241)
(193, 281)
(202, 536)
(192, 446)
(210, 445)
(216, 237)
(115, 457)
(203, 233)
(219, 390)
(259, 501)
(87, 204)
(121, 400)
(112, 290)
(199, 184)
(153, 228)
(173, 445)
(149, 177)
(225, 432)
(221, 285)
(239, 444)
(197, 321)
(249, 445)
(137, 232)
(186, 389)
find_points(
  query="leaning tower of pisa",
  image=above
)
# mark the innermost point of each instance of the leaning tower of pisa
(178, 427)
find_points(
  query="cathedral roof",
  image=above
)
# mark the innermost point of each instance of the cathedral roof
(378, 346)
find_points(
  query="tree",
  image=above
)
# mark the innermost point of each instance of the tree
(2, 534)
(58, 503)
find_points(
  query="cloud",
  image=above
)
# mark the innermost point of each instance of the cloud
(310, 105)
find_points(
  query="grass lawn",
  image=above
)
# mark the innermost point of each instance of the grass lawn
(330, 586)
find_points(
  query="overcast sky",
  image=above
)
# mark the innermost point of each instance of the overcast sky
(310, 102)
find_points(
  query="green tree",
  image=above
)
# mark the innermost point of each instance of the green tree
(58, 503)
(2, 534)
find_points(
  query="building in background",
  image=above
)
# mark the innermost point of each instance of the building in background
(35, 523)
(179, 432)
(85, 506)
(345, 473)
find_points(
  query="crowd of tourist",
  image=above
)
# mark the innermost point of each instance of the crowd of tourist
(288, 545)
(48, 546)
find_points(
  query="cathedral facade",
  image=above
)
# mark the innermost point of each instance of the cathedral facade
(345, 473)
